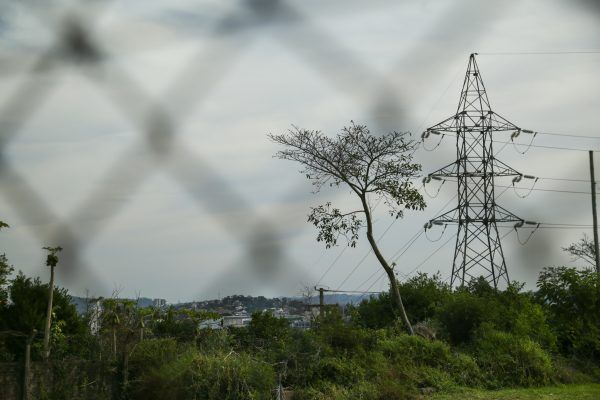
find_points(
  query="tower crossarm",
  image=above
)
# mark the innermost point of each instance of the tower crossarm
(500, 123)
(503, 215)
(448, 217)
(449, 125)
(453, 217)
(503, 169)
(450, 170)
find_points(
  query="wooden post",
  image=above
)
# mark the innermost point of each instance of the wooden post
(593, 182)
(48, 325)
(321, 303)
(27, 366)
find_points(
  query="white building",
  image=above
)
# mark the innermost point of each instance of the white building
(95, 310)
(159, 303)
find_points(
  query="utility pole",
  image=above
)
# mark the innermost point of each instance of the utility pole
(321, 302)
(595, 216)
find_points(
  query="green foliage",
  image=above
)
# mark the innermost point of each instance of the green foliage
(177, 324)
(231, 376)
(341, 371)
(510, 310)
(461, 315)
(430, 363)
(214, 340)
(159, 369)
(163, 369)
(510, 360)
(573, 299)
(423, 295)
(341, 337)
(491, 339)
(375, 312)
(27, 311)
(267, 329)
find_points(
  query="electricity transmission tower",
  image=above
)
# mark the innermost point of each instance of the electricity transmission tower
(478, 249)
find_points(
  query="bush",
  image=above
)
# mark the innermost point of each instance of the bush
(231, 376)
(159, 369)
(461, 316)
(153, 353)
(422, 296)
(509, 360)
(430, 363)
(340, 371)
(467, 309)
(164, 369)
(341, 337)
(573, 298)
(375, 312)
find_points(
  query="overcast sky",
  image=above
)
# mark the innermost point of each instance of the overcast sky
(144, 153)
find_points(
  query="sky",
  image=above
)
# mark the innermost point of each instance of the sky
(134, 134)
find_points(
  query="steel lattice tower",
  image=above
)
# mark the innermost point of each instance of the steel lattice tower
(478, 249)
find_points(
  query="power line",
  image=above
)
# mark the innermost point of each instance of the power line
(528, 145)
(568, 135)
(537, 53)
(544, 147)
(545, 190)
(377, 271)
(431, 255)
(564, 179)
(331, 265)
(375, 282)
(347, 291)
(439, 99)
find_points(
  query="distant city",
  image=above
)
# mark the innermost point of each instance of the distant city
(232, 311)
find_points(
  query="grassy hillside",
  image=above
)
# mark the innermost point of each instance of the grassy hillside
(564, 392)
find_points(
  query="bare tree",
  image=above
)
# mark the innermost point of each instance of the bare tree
(373, 167)
(51, 261)
(583, 250)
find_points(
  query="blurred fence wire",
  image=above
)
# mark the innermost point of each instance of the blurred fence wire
(73, 38)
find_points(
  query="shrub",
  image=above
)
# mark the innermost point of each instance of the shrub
(343, 337)
(375, 312)
(460, 316)
(162, 369)
(509, 311)
(159, 369)
(430, 363)
(231, 376)
(422, 295)
(573, 299)
(153, 353)
(341, 371)
(213, 340)
(509, 360)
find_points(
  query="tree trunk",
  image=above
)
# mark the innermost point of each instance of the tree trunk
(394, 290)
(49, 316)
(125, 370)
(114, 342)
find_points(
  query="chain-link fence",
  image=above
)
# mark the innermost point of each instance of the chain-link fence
(159, 69)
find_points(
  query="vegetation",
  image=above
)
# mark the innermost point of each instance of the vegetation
(562, 392)
(469, 341)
